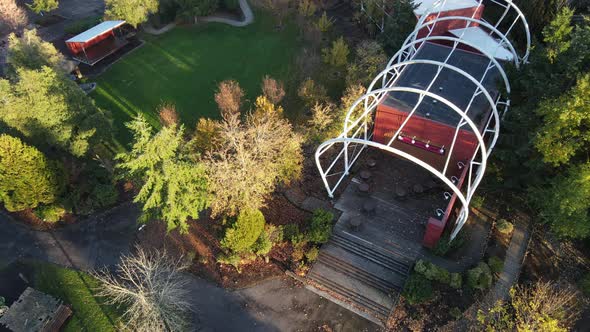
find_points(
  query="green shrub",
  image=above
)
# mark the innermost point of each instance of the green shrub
(275, 233)
(298, 252)
(418, 289)
(104, 195)
(321, 226)
(584, 284)
(456, 281)
(231, 259)
(50, 213)
(312, 254)
(496, 264)
(477, 202)
(455, 313)
(82, 25)
(291, 232)
(432, 272)
(445, 246)
(244, 232)
(263, 245)
(480, 277)
(505, 227)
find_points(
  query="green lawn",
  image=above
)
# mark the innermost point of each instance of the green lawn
(76, 289)
(185, 65)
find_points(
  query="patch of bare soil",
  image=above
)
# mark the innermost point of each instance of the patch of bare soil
(201, 245)
(433, 314)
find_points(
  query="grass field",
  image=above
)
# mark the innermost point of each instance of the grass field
(76, 289)
(184, 66)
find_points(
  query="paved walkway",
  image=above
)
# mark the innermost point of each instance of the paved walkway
(248, 18)
(515, 256)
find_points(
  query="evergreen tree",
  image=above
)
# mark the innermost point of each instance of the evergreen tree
(52, 111)
(40, 6)
(173, 187)
(30, 52)
(27, 177)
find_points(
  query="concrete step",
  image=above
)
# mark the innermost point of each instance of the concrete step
(388, 259)
(358, 294)
(359, 273)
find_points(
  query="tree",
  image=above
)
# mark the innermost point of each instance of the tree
(565, 203)
(337, 55)
(370, 59)
(251, 157)
(31, 52)
(279, 8)
(539, 13)
(398, 25)
(566, 119)
(12, 17)
(229, 98)
(134, 12)
(273, 90)
(324, 23)
(307, 8)
(52, 111)
(557, 33)
(168, 115)
(40, 6)
(152, 289)
(195, 8)
(322, 118)
(205, 134)
(27, 177)
(173, 187)
(312, 93)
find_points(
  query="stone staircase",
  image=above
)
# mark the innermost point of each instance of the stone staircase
(364, 277)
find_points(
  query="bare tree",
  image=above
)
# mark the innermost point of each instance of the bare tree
(252, 157)
(12, 17)
(273, 90)
(168, 115)
(152, 289)
(229, 98)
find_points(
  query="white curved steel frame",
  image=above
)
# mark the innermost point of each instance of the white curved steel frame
(358, 125)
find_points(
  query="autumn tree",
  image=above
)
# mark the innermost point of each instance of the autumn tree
(370, 60)
(229, 97)
(168, 115)
(543, 306)
(52, 111)
(337, 55)
(31, 52)
(152, 290)
(173, 187)
(12, 17)
(27, 177)
(273, 89)
(134, 12)
(39, 6)
(251, 157)
(312, 93)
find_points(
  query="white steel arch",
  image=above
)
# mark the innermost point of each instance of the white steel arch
(358, 125)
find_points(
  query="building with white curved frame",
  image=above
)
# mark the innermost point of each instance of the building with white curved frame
(439, 102)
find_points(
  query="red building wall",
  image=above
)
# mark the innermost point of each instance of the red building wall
(76, 48)
(388, 120)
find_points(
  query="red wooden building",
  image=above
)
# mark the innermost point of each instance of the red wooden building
(97, 43)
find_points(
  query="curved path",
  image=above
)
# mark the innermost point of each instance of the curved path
(248, 18)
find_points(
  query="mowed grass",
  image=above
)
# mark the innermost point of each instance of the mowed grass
(77, 289)
(184, 66)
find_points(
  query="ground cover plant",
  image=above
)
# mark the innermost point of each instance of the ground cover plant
(185, 65)
(79, 290)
